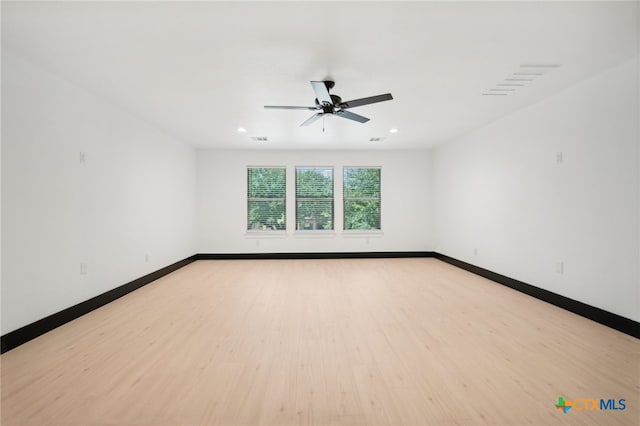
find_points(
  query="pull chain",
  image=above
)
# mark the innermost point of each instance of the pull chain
(323, 124)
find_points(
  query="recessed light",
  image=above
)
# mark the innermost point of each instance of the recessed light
(394, 130)
(241, 129)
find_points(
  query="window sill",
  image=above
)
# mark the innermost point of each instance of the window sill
(315, 234)
(266, 234)
(362, 234)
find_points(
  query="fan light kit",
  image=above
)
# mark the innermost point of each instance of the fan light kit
(326, 103)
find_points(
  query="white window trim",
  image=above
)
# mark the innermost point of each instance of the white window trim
(364, 233)
(318, 233)
(259, 233)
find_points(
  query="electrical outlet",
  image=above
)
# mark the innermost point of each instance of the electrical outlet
(83, 268)
(83, 157)
(146, 258)
(475, 251)
(559, 267)
(559, 157)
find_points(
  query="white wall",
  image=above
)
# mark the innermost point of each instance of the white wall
(222, 201)
(501, 190)
(134, 196)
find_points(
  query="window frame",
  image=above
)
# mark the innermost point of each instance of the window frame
(315, 232)
(266, 232)
(345, 199)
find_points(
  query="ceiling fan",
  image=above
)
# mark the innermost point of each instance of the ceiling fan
(333, 104)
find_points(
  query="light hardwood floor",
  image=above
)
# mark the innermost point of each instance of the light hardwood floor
(325, 342)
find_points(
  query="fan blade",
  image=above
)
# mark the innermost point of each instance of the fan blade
(352, 116)
(366, 101)
(289, 107)
(311, 119)
(322, 93)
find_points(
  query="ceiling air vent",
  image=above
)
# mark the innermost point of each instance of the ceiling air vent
(259, 138)
(526, 74)
(376, 139)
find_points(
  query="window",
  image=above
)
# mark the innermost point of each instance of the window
(266, 199)
(314, 198)
(361, 192)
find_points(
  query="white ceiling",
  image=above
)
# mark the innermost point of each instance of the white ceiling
(199, 70)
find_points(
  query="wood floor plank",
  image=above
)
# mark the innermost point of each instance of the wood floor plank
(321, 342)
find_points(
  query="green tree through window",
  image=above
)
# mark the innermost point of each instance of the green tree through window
(361, 196)
(314, 198)
(266, 199)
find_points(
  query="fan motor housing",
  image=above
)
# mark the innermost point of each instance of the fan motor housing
(334, 98)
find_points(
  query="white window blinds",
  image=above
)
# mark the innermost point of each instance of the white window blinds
(361, 197)
(314, 198)
(266, 199)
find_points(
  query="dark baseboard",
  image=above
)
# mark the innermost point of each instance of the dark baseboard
(315, 255)
(22, 335)
(617, 322)
(31, 331)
